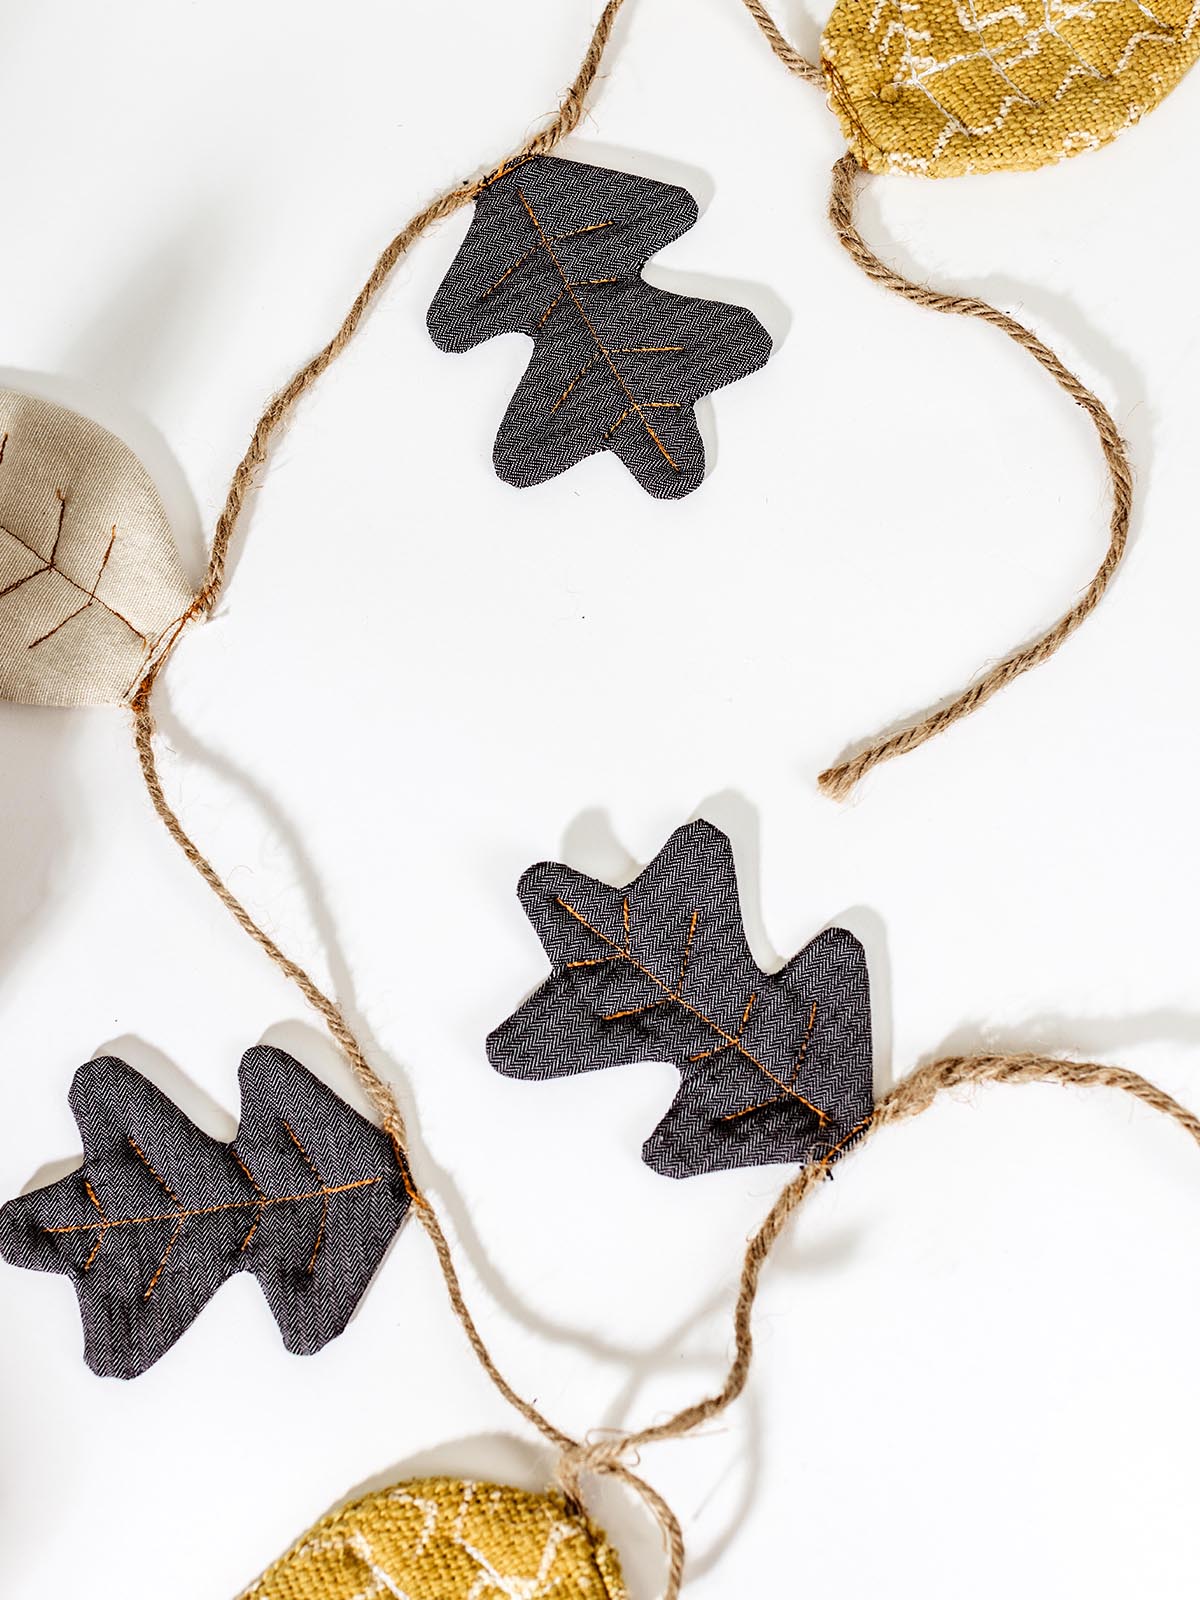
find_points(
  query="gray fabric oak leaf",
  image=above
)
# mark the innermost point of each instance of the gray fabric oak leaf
(90, 582)
(772, 1068)
(159, 1215)
(555, 250)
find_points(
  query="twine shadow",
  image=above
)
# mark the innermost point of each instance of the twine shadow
(308, 1042)
(502, 1458)
(803, 28)
(590, 844)
(1101, 1037)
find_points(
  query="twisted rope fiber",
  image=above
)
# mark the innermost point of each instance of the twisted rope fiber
(791, 58)
(912, 1096)
(542, 143)
(565, 121)
(839, 781)
(576, 1458)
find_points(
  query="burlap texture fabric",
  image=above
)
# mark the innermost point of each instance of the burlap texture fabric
(441, 1539)
(90, 581)
(943, 87)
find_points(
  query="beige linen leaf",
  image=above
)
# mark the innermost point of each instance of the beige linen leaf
(90, 581)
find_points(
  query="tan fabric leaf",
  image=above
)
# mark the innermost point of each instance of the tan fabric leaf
(90, 581)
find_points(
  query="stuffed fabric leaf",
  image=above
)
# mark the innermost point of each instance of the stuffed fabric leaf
(439, 1539)
(90, 582)
(773, 1068)
(555, 250)
(307, 1199)
(939, 87)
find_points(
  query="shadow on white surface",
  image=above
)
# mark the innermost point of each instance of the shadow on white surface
(35, 758)
(505, 1459)
(1077, 1037)
(1058, 319)
(802, 25)
(105, 403)
(502, 1458)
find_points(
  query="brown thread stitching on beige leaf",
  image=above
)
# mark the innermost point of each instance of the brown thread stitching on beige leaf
(50, 564)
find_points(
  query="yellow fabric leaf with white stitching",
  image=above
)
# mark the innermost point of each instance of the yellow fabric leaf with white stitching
(439, 1539)
(90, 581)
(943, 87)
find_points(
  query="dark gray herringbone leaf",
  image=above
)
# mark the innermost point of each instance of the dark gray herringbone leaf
(555, 250)
(307, 1198)
(773, 1068)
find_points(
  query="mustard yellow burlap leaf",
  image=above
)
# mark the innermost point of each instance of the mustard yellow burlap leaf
(943, 87)
(439, 1539)
(90, 582)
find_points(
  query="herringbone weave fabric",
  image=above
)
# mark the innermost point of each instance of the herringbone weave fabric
(160, 1215)
(660, 971)
(439, 1539)
(555, 251)
(943, 87)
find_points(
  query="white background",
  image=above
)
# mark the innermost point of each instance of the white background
(977, 1361)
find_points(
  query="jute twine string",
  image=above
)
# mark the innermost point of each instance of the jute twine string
(576, 1458)
(791, 58)
(909, 1098)
(838, 781)
(284, 403)
(606, 1456)
(542, 143)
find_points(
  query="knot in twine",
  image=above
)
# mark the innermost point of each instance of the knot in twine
(605, 1458)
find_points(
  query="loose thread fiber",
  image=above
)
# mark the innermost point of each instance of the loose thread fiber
(838, 781)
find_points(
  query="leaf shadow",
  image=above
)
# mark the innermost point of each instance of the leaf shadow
(802, 28)
(98, 402)
(303, 1039)
(208, 1114)
(38, 744)
(869, 929)
(502, 1458)
(1053, 1034)
(590, 844)
(506, 1459)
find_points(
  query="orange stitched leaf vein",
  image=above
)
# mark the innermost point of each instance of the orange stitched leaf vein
(209, 1211)
(569, 288)
(731, 1041)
